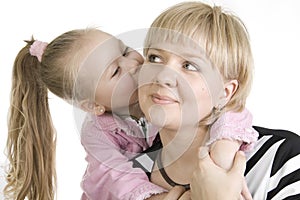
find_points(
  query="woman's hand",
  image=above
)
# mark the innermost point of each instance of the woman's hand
(210, 182)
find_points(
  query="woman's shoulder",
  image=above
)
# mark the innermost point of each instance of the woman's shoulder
(273, 165)
(281, 144)
(285, 143)
(280, 133)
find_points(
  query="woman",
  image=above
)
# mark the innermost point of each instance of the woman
(194, 54)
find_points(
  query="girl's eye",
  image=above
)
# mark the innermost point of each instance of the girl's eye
(190, 67)
(125, 53)
(116, 71)
(154, 59)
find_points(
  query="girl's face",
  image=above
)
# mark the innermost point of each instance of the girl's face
(174, 86)
(118, 85)
(113, 68)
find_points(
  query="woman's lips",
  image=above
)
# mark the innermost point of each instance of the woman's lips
(160, 99)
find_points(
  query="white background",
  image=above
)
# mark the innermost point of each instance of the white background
(274, 30)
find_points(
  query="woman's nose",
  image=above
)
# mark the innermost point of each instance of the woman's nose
(167, 76)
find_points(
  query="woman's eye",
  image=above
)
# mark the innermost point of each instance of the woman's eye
(154, 59)
(116, 71)
(190, 67)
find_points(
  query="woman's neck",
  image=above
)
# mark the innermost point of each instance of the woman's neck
(178, 144)
(180, 150)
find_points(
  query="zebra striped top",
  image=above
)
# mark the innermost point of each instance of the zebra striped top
(273, 167)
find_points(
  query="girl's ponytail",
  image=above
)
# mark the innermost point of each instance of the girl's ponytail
(31, 136)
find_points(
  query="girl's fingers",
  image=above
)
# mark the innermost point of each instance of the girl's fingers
(175, 193)
(186, 196)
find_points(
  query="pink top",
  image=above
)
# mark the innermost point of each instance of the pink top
(110, 142)
(235, 126)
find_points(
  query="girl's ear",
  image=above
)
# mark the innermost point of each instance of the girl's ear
(92, 107)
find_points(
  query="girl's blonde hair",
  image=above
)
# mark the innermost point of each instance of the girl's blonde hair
(221, 35)
(31, 136)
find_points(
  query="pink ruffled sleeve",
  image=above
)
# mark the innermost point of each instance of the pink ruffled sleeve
(235, 126)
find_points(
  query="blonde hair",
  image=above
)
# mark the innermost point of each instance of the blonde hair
(31, 136)
(221, 35)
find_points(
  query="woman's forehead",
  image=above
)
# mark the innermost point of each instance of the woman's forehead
(175, 41)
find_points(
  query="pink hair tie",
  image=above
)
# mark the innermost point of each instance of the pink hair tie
(37, 49)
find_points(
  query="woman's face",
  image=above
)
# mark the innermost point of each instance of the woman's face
(173, 87)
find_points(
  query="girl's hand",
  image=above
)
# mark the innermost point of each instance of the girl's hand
(210, 182)
(176, 193)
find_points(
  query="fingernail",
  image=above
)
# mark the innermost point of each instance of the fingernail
(203, 152)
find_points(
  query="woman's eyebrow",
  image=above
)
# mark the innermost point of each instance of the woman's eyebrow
(185, 55)
(194, 58)
(156, 49)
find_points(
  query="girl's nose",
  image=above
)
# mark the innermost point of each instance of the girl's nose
(130, 65)
(134, 55)
(133, 61)
(133, 70)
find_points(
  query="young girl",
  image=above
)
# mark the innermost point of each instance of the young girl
(92, 70)
(84, 67)
(191, 43)
(112, 132)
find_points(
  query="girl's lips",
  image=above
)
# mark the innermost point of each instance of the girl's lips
(158, 99)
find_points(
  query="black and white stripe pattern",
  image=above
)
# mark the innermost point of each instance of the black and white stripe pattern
(273, 167)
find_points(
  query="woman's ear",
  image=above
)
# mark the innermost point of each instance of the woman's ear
(92, 107)
(230, 88)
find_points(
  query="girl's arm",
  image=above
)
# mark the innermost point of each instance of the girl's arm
(122, 182)
(210, 182)
(223, 152)
(109, 173)
(232, 132)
